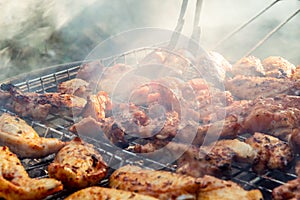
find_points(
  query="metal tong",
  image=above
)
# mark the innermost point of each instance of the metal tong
(195, 37)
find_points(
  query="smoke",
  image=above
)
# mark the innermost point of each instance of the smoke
(35, 34)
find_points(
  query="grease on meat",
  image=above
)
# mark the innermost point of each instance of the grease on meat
(23, 140)
(15, 183)
(78, 165)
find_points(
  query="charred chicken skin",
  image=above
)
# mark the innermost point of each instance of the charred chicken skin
(159, 184)
(23, 140)
(16, 184)
(272, 152)
(78, 165)
(99, 193)
(38, 106)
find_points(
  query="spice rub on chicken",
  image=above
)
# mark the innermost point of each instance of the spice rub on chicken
(38, 106)
(157, 183)
(76, 86)
(99, 193)
(213, 188)
(23, 140)
(272, 152)
(15, 183)
(78, 165)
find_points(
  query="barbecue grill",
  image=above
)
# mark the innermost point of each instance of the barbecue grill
(47, 80)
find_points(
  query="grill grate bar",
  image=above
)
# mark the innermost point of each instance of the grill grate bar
(242, 26)
(271, 33)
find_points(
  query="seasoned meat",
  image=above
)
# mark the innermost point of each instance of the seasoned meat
(90, 72)
(160, 184)
(218, 130)
(213, 68)
(278, 67)
(213, 188)
(38, 105)
(272, 152)
(275, 116)
(98, 106)
(289, 190)
(78, 165)
(101, 193)
(243, 151)
(248, 66)
(23, 140)
(4, 96)
(16, 184)
(106, 130)
(163, 63)
(244, 87)
(76, 86)
(207, 160)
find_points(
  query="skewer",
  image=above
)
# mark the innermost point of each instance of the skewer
(271, 33)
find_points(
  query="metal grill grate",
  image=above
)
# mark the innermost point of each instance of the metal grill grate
(57, 126)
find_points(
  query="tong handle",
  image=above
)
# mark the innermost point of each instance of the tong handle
(179, 26)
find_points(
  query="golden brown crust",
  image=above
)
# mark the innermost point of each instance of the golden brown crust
(159, 184)
(23, 140)
(100, 193)
(78, 165)
(213, 188)
(16, 184)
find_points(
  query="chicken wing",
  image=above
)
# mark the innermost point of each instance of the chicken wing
(160, 184)
(272, 152)
(23, 140)
(16, 184)
(78, 165)
(100, 193)
(213, 189)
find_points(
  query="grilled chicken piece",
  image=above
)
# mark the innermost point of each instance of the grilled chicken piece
(218, 130)
(289, 190)
(106, 130)
(249, 88)
(38, 106)
(272, 152)
(278, 67)
(159, 184)
(100, 193)
(16, 184)
(248, 66)
(78, 165)
(23, 140)
(90, 72)
(164, 63)
(213, 68)
(213, 188)
(275, 116)
(76, 86)
(4, 96)
(98, 106)
(243, 151)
